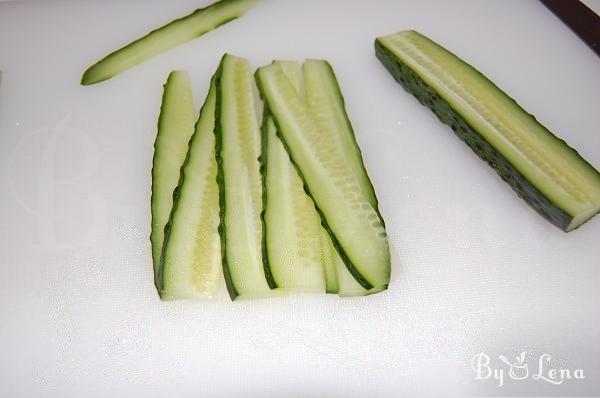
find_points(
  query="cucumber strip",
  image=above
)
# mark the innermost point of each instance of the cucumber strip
(327, 105)
(175, 127)
(174, 33)
(240, 187)
(292, 227)
(548, 174)
(191, 256)
(355, 227)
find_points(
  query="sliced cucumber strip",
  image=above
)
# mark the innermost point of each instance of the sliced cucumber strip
(354, 225)
(548, 174)
(166, 37)
(175, 127)
(191, 259)
(240, 191)
(292, 226)
(327, 106)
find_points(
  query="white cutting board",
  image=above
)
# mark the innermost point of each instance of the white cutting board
(479, 272)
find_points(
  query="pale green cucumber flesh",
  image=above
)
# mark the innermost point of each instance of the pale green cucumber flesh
(191, 256)
(240, 193)
(355, 227)
(548, 174)
(347, 286)
(327, 105)
(330, 259)
(174, 33)
(175, 127)
(292, 226)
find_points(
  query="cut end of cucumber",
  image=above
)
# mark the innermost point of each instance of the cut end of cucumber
(88, 79)
(582, 218)
(188, 294)
(361, 292)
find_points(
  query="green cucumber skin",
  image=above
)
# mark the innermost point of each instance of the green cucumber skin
(351, 268)
(233, 293)
(90, 75)
(264, 146)
(428, 97)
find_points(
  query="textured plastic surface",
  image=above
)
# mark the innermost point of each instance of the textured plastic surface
(480, 271)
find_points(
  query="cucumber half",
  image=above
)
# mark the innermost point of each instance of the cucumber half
(174, 33)
(190, 266)
(353, 223)
(240, 183)
(175, 127)
(548, 174)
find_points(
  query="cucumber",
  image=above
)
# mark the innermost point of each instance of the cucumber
(191, 257)
(240, 183)
(292, 227)
(543, 170)
(327, 105)
(174, 33)
(175, 127)
(354, 225)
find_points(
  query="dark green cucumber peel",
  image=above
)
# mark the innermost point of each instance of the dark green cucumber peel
(221, 183)
(89, 75)
(263, 159)
(428, 97)
(347, 261)
(176, 193)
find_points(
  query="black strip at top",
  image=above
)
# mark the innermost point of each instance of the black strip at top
(577, 16)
